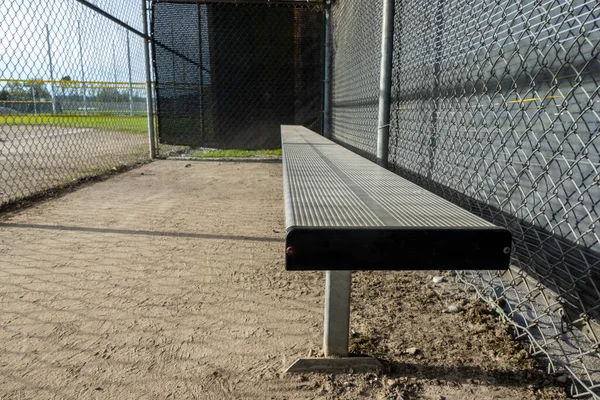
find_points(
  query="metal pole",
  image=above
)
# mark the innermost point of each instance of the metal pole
(129, 71)
(337, 313)
(52, 94)
(385, 83)
(200, 68)
(33, 96)
(114, 57)
(82, 70)
(173, 47)
(149, 106)
(327, 73)
(439, 18)
(111, 17)
(116, 92)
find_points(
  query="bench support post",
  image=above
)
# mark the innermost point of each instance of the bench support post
(336, 335)
(337, 313)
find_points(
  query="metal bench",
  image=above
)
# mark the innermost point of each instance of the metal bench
(344, 212)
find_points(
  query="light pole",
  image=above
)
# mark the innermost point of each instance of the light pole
(33, 96)
(129, 71)
(52, 94)
(82, 70)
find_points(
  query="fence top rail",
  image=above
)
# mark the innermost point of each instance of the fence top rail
(353, 213)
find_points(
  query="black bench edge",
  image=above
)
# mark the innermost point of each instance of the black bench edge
(396, 249)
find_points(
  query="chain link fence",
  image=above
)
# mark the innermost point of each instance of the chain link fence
(356, 54)
(229, 75)
(495, 106)
(72, 93)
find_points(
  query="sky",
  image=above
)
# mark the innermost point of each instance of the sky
(24, 44)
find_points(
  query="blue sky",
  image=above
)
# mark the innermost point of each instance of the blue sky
(23, 44)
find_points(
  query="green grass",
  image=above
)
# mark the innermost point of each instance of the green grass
(237, 153)
(135, 124)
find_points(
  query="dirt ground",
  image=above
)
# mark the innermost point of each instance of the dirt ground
(34, 158)
(167, 282)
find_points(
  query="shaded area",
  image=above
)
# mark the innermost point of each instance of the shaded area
(229, 75)
(495, 106)
(568, 268)
(135, 232)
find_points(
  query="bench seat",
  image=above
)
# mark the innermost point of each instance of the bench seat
(344, 212)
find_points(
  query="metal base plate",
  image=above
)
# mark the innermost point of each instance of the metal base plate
(332, 365)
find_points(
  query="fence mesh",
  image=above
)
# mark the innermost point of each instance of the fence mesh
(495, 107)
(72, 94)
(356, 54)
(228, 76)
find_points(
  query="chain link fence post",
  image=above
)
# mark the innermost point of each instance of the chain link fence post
(51, 70)
(385, 84)
(327, 71)
(149, 99)
(129, 81)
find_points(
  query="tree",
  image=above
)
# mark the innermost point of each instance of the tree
(39, 89)
(17, 91)
(4, 95)
(108, 95)
(27, 90)
(65, 81)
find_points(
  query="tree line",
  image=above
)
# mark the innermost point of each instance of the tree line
(33, 89)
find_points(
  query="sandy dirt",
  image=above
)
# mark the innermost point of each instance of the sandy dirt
(167, 282)
(34, 158)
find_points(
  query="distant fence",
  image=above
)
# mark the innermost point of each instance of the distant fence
(12, 107)
(496, 107)
(72, 96)
(73, 107)
(229, 75)
(73, 93)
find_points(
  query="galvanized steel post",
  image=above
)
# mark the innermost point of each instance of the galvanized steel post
(385, 83)
(149, 103)
(129, 76)
(85, 107)
(201, 67)
(327, 72)
(33, 96)
(52, 93)
(337, 313)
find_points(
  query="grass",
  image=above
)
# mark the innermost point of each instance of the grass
(135, 124)
(237, 153)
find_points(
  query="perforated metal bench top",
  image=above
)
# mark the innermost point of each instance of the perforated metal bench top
(344, 212)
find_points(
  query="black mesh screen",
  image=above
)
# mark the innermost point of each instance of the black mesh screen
(227, 76)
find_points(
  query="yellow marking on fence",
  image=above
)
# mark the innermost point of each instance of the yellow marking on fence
(74, 84)
(24, 101)
(95, 86)
(533, 99)
(65, 82)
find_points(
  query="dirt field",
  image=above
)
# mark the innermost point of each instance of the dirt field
(37, 157)
(168, 282)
